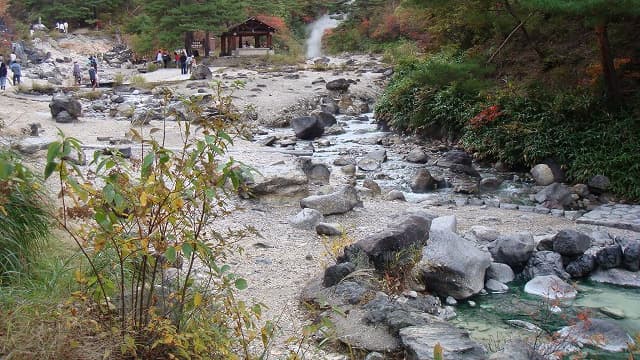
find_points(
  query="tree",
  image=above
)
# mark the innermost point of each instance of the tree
(599, 14)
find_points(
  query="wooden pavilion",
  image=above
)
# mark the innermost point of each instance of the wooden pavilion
(250, 38)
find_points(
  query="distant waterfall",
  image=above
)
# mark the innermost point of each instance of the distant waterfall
(316, 30)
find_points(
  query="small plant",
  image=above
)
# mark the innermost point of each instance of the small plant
(138, 81)
(118, 79)
(437, 352)
(91, 95)
(151, 67)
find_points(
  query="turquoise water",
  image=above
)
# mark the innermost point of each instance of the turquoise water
(487, 320)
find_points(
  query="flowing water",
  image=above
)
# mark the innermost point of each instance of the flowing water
(316, 31)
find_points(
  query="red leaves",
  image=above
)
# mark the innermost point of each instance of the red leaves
(486, 116)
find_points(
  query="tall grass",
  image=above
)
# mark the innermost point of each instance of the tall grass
(24, 217)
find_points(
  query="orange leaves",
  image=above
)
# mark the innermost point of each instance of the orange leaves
(486, 116)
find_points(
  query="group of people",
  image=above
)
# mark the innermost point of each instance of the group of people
(182, 60)
(93, 72)
(14, 66)
(62, 27)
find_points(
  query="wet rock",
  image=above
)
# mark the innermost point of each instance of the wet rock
(513, 250)
(201, 72)
(333, 274)
(307, 127)
(329, 229)
(571, 243)
(616, 277)
(613, 313)
(419, 342)
(368, 164)
(64, 117)
(516, 349)
(341, 85)
(598, 333)
(452, 266)
(373, 186)
(599, 184)
(408, 232)
(344, 160)
(554, 196)
(455, 157)
(325, 118)
(495, 286)
(348, 169)
(490, 184)
(422, 182)
(329, 106)
(543, 175)
(550, 287)
(500, 272)
(417, 156)
(582, 266)
(338, 202)
(631, 256)
(395, 195)
(545, 263)
(609, 257)
(306, 219)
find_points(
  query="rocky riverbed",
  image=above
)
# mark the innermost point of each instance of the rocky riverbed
(335, 178)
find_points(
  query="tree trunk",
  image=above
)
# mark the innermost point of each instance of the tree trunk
(188, 39)
(205, 45)
(608, 69)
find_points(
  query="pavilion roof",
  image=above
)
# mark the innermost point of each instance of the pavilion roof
(251, 26)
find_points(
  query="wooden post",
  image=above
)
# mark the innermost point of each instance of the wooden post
(269, 41)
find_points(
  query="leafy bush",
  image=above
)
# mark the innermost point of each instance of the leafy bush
(24, 216)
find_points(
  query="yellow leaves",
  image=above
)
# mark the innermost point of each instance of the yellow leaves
(197, 299)
(79, 277)
(143, 199)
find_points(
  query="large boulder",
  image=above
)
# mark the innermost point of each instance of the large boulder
(306, 219)
(455, 157)
(341, 85)
(571, 243)
(335, 273)
(609, 257)
(550, 287)
(410, 231)
(422, 182)
(545, 263)
(453, 266)
(599, 184)
(616, 277)
(513, 250)
(517, 349)
(631, 256)
(603, 334)
(500, 272)
(542, 174)
(554, 196)
(326, 119)
(338, 202)
(201, 72)
(456, 343)
(417, 156)
(582, 266)
(61, 103)
(307, 127)
(281, 180)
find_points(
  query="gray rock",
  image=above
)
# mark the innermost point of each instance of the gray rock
(500, 272)
(419, 342)
(307, 127)
(599, 184)
(64, 117)
(344, 160)
(333, 274)
(61, 103)
(325, 118)
(353, 331)
(616, 277)
(395, 195)
(545, 263)
(513, 250)
(517, 349)
(554, 196)
(279, 180)
(451, 301)
(452, 266)
(550, 287)
(329, 229)
(374, 356)
(490, 183)
(609, 257)
(31, 145)
(495, 286)
(201, 72)
(631, 256)
(341, 85)
(338, 202)
(455, 157)
(318, 173)
(484, 234)
(524, 325)
(602, 334)
(613, 313)
(582, 266)
(410, 231)
(444, 223)
(543, 175)
(306, 219)
(571, 243)
(581, 190)
(368, 164)
(417, 156)
(348, 169)
(422, 182)
(373, 186)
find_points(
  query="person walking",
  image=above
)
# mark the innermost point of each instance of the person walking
(93, 77)
(176, 58)
(77, 75)
(183, 63)
(159, 57)
(17, 72)
(3, 75)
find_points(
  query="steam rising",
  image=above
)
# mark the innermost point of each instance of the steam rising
(316, 30)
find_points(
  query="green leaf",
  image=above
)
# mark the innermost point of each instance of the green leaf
(241, 284)
(53, 151)
(187, 249)
(170, 254)
(49, 169)
(147, 161)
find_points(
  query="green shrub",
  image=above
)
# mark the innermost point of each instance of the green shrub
(151, 67)
(24, 216)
